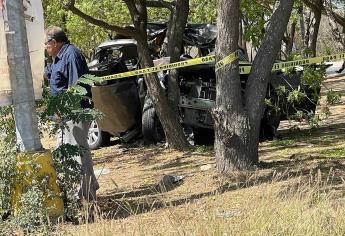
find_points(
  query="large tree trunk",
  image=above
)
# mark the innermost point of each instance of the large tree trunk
(237, 118)
(176, 27)
(230, 121)
(261, 69)
(169, 118)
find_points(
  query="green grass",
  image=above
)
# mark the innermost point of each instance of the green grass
(283, 143)
(334, 153)
(202, 149)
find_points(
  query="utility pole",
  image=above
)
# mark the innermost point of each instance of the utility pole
(23, 100)
(21, 78)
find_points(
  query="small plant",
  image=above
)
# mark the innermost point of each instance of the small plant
(334, 152)
(283, 143)
(69, 176)
(307, 51)
(32, 216)
(296, 96)
(7, 126)
(292, 101)
(333, 97)
(272, 108)
(313, 77)
(202, 149)
(7, 175)
(57, 110)
(281, 90)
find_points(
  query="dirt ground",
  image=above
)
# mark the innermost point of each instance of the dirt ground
(129, 191)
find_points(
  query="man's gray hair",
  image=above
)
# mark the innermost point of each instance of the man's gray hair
(56, 33)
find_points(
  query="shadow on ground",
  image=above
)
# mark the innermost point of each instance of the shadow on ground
(122, 205)
(116, 205)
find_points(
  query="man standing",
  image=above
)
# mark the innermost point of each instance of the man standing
(67, 67)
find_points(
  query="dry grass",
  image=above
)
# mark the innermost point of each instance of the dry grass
(276, 208)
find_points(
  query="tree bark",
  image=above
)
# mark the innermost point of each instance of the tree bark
(317, 15)
(307, 33)
(168, 117)
(242, 40)
(261, 70)
(237, 118)
(291, 38)
(231, 124)
(176, 27)
(302, 24)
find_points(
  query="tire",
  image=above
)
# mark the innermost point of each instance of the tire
(149, 126)
(269, 126)
(203, 136)
(271, 119)
(97, 138)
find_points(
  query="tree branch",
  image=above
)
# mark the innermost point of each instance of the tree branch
(160, 4)
(70, 6)
(324, 9)
(310, 4)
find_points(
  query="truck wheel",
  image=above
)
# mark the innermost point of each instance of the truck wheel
(149, 126)
(203, 136)
(269, 126)
(271, 119)
(97, 138)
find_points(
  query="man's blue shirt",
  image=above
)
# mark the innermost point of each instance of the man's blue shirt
(68, 66)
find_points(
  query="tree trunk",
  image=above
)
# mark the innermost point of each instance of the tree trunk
(231, 124)
(166, 114)
(317, 16)
(302, 24)
(242, 40)
(176, 27)
(237, 118)
(307, 33)
(168, 117)
(291, 38)
(262, 67)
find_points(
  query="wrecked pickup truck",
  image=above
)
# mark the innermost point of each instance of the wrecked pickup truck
(129, 112)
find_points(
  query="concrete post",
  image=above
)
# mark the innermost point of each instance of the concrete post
(21, 78)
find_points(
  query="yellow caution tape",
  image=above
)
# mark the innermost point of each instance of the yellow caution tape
(302, 62)
(227, 60)
(245, 70)
(180, 64)
(176, 65)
